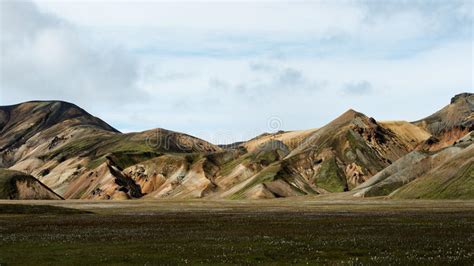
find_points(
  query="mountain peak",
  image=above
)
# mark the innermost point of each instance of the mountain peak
(44, 114)
(38, 103)
(348, 115)
(352, 112)
(460, 96)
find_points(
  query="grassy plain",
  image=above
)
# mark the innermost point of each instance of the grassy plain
(299, 230)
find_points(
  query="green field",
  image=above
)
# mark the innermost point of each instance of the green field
(241, 232)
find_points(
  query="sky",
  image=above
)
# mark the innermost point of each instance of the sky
(230, 70)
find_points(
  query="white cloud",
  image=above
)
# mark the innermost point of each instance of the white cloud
(45, 57)
(224, 68)
(362, 87)
(386, 23)
(244, 95)
(317, 16)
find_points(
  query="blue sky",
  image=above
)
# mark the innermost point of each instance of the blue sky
(223, 70)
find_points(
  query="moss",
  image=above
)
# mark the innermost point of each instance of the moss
(266, 157)
(461, 187)
(227, 167)
(95, 163)
(98, 147)
(266, 175)
(383, 190)
(124, 159)
(330, 177)
(457, 186)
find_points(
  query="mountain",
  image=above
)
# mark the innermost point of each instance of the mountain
(33, 128)
(450, 123)
(17, 185)
(347, 151)
(452, 178)
(447, 173)
(442, 166)
(58, 143)
(79, 156)
(333, 158)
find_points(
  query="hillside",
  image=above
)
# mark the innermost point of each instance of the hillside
(447, 173)
(19, 186)
(450, 123)
(58, 143)
(334, 158)
(79, 156)
(291, 139)
(441, 166)
(451, 178)
(33, 128)
(346, 152)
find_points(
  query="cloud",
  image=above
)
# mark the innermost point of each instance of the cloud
(305, 29)
(238, 16)
(358, 88)
(291, 77)
(45, 57)
(261, 67)
(218, 84)
(280, 80)
(212, 67)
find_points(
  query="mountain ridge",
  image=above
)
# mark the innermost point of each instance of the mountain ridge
(80, 156)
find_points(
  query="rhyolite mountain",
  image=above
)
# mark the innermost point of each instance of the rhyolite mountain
(58, 142)
(447, 173)
(30, 129)
(450, 123)
(79, 156)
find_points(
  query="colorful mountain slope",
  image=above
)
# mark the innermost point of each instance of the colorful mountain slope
(450, 123)
(81, 157)
(20, 186)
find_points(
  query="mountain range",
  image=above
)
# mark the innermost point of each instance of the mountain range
(56, 150)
